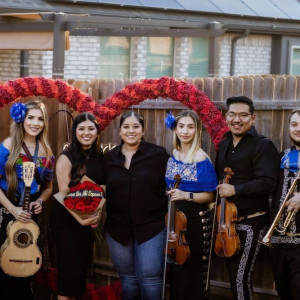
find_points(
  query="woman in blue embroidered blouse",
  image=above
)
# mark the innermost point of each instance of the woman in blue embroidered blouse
(30, 127)
(196, 190)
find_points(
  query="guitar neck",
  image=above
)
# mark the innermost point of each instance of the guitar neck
(26, 198)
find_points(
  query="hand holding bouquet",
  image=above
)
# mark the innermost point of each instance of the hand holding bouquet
(85, 201)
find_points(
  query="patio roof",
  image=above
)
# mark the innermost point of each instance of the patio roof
(184, 18)
(154, 17)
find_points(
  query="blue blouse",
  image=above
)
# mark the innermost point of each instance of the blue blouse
(195, 177)
(45, 170)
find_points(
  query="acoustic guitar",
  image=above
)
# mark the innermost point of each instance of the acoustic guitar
(20, 255)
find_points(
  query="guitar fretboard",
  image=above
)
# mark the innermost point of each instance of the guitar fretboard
(26, 199)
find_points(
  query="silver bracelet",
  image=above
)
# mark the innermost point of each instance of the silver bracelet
(40, 200)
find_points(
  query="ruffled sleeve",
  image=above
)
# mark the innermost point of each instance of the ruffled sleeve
(3, 158)
(207, 178)
(46, 169)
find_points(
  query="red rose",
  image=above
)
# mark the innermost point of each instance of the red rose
(84, 197)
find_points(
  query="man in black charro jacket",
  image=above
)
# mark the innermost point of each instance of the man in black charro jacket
(254, 160)
(285, 255)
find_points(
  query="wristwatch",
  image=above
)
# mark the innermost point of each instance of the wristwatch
(191, 197)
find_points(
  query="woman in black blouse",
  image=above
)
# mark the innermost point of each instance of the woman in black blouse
(73, 236)
(136, 208)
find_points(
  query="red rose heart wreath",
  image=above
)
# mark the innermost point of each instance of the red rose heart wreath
(132, 94)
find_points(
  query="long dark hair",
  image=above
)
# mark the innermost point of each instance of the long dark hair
(77, 154)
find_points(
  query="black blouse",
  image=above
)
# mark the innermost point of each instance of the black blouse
(94, 168)
(136, 200)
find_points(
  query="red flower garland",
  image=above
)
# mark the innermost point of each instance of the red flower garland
(164, 87)
(51, 88)
(133, 94)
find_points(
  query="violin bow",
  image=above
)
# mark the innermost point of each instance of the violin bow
(166, 248)
(211, 242)
(175, 186)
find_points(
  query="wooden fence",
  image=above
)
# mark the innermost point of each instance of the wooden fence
(273, 96)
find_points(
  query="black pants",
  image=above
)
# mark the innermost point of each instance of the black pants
(73, 251)
(285, 261)
(188, 281)
(240, 267)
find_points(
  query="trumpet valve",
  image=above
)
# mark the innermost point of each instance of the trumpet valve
(289, 218)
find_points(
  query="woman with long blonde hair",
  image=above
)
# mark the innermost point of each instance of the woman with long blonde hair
(196, 189)
(28, 141)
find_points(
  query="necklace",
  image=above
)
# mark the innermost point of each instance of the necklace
(88, 154)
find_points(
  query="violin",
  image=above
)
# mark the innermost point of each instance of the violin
(178, 250)
(227, 241)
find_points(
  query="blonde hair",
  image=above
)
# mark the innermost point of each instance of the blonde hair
(17, 133)
(195, 147)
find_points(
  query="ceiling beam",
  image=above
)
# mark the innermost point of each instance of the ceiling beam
(161, 32)
(27, 26)
(177, 25)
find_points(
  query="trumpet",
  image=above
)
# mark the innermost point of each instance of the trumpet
(286, 224)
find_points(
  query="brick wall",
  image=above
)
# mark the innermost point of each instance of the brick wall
(181, 57)
(37, 63)
(9, 64)
(253, 55)
(138, 57)
(81, 60)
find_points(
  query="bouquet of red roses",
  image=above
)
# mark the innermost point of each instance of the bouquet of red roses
(86, 199)
(84, 196)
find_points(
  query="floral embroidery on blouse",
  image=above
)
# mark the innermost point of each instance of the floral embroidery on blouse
(195, 177)
(45, 170)
(186, 171)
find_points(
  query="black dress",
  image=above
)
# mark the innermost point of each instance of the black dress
(73, 241)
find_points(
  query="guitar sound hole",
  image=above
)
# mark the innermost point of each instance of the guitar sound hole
(23, 238)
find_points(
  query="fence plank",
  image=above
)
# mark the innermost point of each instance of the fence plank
(199, 83)
(227, 88)
(218, 89)
(238, 86)
(258, 88)
(208, 87)
(291, 86)
(249, 87)
(280, 88)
